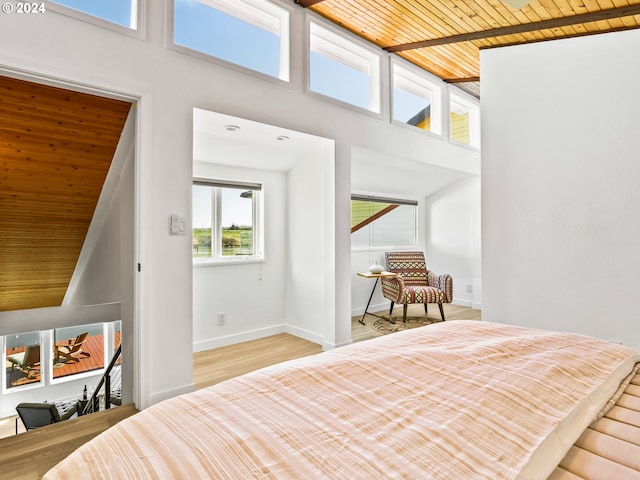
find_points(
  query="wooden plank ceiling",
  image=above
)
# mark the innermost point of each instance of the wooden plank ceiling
(56, 147)
(444, 37)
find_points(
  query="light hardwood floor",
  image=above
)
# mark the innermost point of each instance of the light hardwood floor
(28, 456)
(361, 332)
(214, 366)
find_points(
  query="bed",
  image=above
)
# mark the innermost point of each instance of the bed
(454, 400)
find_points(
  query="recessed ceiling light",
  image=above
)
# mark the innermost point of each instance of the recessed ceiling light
(231, 128)
(282, 138)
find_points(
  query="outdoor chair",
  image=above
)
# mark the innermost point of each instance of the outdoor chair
(28, 362)
(36, 415)
(71, 351)
(414, 283)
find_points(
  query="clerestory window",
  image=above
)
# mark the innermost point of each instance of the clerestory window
(464, 121)
(253, 34)
(416, 101)
(119, 12)
(343, 69)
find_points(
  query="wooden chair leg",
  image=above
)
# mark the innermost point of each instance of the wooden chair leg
(425, 309)
(404, 312)
(391, 309)
(441, 311)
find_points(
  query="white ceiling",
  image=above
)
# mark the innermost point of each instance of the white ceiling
(256, 145)
(383, 174)
(253, 145)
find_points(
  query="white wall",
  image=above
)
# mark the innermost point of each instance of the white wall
(99, 280)
(560, 192)
(252, 295)
(309, 272)
(108, 275)
(452, 235)
(167, 86)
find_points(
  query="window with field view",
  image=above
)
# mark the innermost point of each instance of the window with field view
(382, 222)
(225, 220)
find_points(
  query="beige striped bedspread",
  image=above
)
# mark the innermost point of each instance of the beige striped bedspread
(455, 400)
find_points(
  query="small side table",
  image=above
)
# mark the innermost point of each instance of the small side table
(377, 276)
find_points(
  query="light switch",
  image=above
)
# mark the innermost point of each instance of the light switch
(177, 225)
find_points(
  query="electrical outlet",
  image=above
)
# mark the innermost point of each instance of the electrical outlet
(469, 288)
(221, 319)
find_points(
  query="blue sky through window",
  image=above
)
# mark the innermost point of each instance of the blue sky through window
(339, 81)
(202, 28)
(236, 209)
(406, 105)
(116, 11)
(223, 36)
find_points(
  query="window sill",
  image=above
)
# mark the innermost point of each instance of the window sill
(382, 248)
(224, 263)
(22, 388)
(97, 373)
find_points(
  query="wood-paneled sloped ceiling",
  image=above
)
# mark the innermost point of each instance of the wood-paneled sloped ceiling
(444, 37)
(56, 147)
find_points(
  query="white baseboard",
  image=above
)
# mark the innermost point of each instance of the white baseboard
(467, 303)
(462, 302)
(372, 308)
(331, 346)
(256, 334)
(174, 392)
(304, 334)
(314, 337)
(203, 345)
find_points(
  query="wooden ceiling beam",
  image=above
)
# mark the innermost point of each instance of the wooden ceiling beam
(306, 3)
(560, 37)
(607, 14)
(462, 80)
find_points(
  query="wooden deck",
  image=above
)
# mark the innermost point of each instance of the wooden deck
(94, 345)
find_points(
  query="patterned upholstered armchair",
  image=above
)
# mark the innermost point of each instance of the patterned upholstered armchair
(414, 283)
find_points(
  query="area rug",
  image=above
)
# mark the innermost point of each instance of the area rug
(385, 326)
